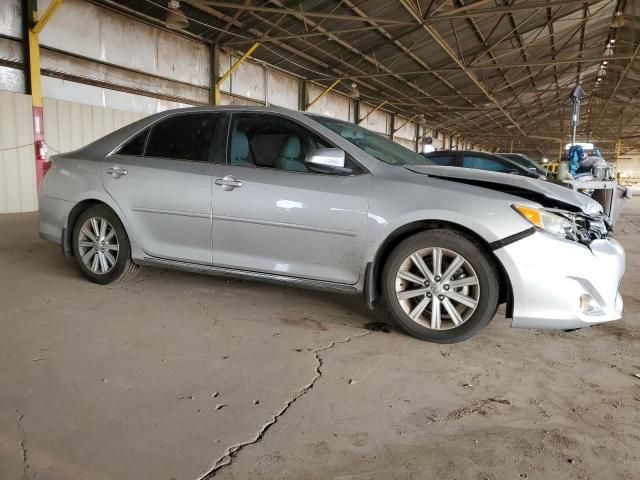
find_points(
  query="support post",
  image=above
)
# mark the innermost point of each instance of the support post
(393, 126)
(618, 146)
(234, 67)
(560, 151)
(384, 102)
(33, 25)
(303, 97)
(324, 92)
(214, 73)
(417, 138)
(511, 148)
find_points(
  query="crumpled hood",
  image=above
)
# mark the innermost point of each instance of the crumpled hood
(547, 193)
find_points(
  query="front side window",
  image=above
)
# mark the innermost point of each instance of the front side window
(374, 144)
(182, 137)
(271, 141)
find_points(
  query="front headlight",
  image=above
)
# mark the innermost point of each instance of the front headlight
(553, 223)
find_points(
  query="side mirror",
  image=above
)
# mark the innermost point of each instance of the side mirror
(326, 157)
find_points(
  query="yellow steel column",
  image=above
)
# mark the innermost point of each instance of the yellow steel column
(35, 25)
(325, 91)
(234, 67)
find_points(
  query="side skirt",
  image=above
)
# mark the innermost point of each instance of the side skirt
(247, 275)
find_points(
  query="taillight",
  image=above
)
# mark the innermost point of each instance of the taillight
(46, 165)
(41, 156)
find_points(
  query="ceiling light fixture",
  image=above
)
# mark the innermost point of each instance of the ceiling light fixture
(176, 20)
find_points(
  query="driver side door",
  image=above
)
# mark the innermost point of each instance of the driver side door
(273, 214)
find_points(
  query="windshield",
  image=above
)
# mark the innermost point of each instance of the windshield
(373, 143)
(524, 161)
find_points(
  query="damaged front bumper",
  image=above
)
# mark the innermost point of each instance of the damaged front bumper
(561, 284)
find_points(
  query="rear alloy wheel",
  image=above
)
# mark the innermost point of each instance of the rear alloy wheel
(101, 246)
(98, 245)
(440, 286)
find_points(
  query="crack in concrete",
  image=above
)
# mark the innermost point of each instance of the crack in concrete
(231, 452)
(23, 445)
(208, 314)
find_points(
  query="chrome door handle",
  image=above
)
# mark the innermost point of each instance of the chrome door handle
(228, 183)
(116, 171)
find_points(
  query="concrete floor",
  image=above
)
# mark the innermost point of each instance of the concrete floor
(162, 378)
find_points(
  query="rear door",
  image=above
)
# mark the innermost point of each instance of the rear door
(274, 214)
(161, 180)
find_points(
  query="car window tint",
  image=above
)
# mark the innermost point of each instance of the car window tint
(271, 141)
(484, 163)
(182, 137)
(443, 159)
(374, 144)
(135, 146)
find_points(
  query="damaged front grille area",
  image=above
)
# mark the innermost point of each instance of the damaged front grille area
(587, 229)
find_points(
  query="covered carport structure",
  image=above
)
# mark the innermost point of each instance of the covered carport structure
(182, 376)
(495, 74)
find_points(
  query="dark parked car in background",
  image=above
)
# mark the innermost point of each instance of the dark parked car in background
(525, 161)
(480, 161)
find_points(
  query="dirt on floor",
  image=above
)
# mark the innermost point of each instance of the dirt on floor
(184, 376)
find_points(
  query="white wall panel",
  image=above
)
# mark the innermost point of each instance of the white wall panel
(103, 97)
(231, 100)
(11, 18)
(225, 65)
(408, 131)
(17, 163)
(629, 165)
(249, 80)
(70, 125)
(60, 62)
(332, 104)
(282, 90)
(410, 144)
(12, 79)
(379, 121)
(86, 29)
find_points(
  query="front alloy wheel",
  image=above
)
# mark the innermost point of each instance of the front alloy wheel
(440, 285)
(437, 288)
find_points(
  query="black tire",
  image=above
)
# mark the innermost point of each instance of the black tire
(475, 255)
(123, 269)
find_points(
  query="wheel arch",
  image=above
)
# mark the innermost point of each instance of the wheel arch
(76, 211)
(373, 274)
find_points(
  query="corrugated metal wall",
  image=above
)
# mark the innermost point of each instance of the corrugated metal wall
(68, 125)
(17, 164)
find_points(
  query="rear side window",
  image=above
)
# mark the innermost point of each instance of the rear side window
(182, 137)
(135, 146)
(447, 160)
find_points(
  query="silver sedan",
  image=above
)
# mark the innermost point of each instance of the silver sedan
(306, 200)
